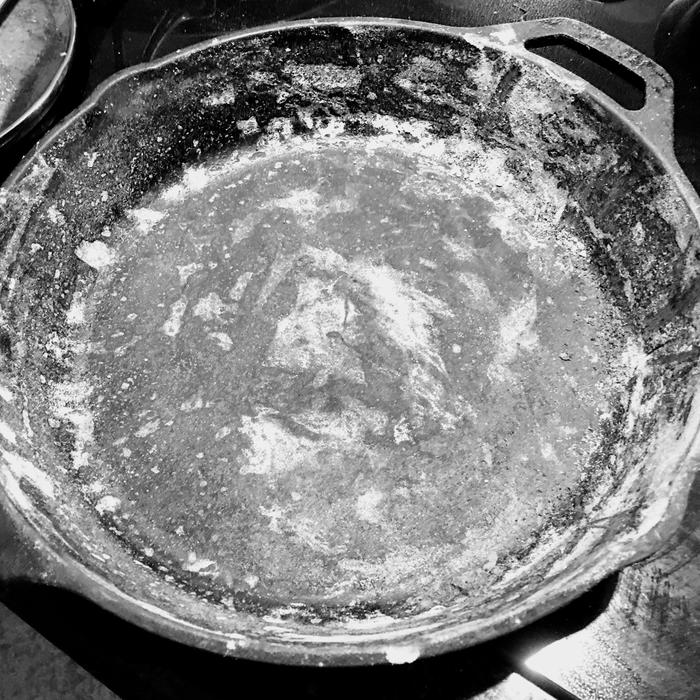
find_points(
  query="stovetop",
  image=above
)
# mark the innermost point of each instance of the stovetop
(635, 635)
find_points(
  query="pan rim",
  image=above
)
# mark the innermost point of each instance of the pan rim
(366, 647)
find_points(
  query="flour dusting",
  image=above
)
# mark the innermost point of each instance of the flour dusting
(517, 333)
(97, 254)
(71, 403)
(22, 468)
(173, 323)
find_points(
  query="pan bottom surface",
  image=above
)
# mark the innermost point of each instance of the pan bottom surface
(342, 369)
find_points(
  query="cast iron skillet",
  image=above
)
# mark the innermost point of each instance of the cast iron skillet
(350, 341)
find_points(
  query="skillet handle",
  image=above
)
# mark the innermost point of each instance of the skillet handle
(655, 119)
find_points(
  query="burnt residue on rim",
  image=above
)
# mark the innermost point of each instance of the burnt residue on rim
(143, 134)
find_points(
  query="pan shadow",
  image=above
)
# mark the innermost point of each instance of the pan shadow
(137, 664)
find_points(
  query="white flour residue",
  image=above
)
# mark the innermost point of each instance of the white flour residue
(318, 335)
(194, 179)
(194, 403)
(275, 514)
(145, 219)
(97, 254)
(516, 333)
(307, 531)
(633, 362)
(506, 35)
(223, 340)
(55, 216)
(464, 253)
(71, 403)
(76, 311)
(29, 432)
(304, 203)
(367, 506)
(405, 561)
(346, 427)
(224, 97)
(279, 269)
(21, 468)
(402, 431)
(633, 359)
(186, 271)
(221, 433)
(249, 126)
(274, 447)
(172, 325)
(402, 654)
(210, 307)
(301, 338)
(323, 76)
(148, 428)
(7, 433)
(238, 289)
(199, 565)
(108, 504)
(547, 450)
(405, 313)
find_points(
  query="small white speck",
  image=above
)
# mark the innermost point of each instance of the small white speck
(248, 126)
(107, 504)
(96, 487)
(223, 340)
(402, 431)
(186, 271)
(222, 433)
(192, 404)
(148, 428)
(172, 325)
(96, 254)
(547, 450)
(76, 311)
(198, 565)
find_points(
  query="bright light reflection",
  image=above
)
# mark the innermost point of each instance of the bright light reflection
(515, 687)
(558, 659)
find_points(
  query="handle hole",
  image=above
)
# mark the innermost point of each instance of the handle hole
(604, 72)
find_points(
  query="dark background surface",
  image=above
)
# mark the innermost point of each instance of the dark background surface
(636, 635)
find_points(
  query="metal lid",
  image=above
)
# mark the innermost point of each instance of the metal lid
(37, 38)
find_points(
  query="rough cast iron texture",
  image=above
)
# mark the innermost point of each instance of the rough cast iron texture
(350, 342)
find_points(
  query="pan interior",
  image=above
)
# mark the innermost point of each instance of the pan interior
(341, 368)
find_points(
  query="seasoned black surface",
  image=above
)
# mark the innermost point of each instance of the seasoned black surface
(644, 642)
